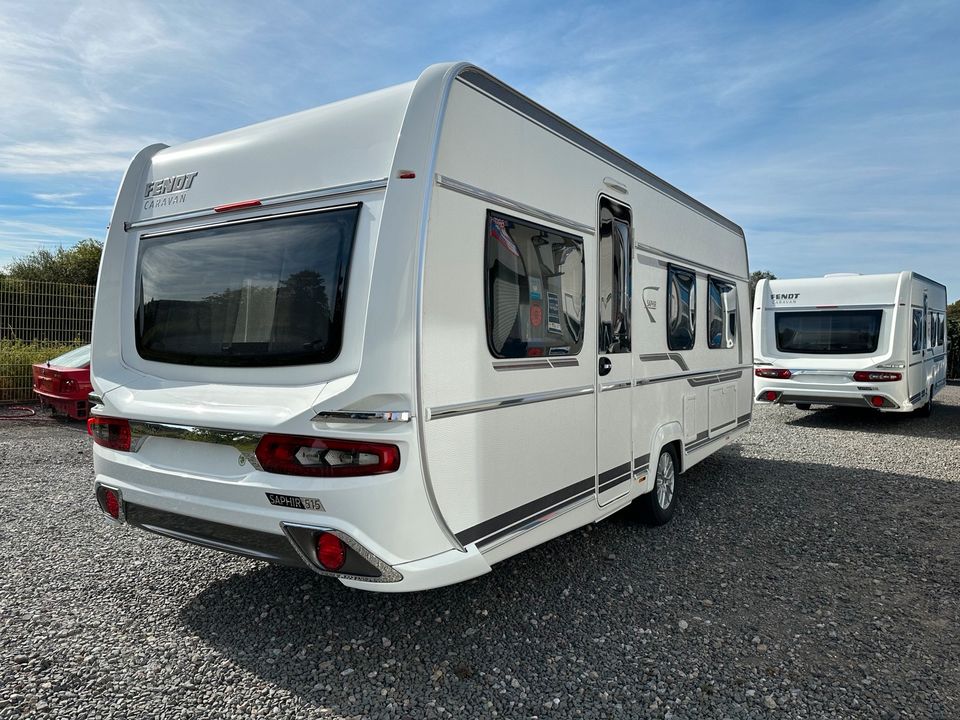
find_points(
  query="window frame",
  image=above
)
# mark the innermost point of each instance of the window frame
(916, 330)
(673, 270)
(715, 280)
(488, 317)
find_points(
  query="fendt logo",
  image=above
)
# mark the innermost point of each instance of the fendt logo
(167, 186)
(784, 297)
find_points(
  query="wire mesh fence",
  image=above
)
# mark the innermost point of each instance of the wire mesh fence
(38, 321)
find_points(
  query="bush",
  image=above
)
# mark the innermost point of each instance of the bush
(16, 361)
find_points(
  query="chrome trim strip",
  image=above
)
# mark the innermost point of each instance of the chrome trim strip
(691, 374)
(445, 411)
(272, 201)
(475, 192)
(363, 416)
(244, 442)
(564, 362)
(245, 220)
(388, 574)
(604, 387)
(654, 357)
(663, 254)
(534, 523)
(522, 365)
(95, 399)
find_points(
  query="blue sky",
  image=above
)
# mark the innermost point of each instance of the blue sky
(830, 131)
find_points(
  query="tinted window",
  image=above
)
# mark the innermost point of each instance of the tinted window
(681, 308)
(262, 293)
(828, 331)
(534, 289)
(77, 358)
(917, 330)
(721, 314)
(615, 263)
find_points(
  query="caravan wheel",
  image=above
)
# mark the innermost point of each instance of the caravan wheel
(925, 410)
(659, 504)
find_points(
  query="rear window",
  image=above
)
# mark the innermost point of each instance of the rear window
(78, 358)
(828, 332)
(256, 293)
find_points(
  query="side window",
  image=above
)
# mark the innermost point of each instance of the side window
(681, 308)
(917, 330)
(616, 265)
(534, 284)
(721, 314)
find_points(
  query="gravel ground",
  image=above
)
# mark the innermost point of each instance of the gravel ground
(812, 571)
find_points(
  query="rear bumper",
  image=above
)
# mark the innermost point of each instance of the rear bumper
(850, 398)
(77, 408)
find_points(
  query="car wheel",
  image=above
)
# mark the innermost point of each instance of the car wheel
(803, 406)
(659, 504)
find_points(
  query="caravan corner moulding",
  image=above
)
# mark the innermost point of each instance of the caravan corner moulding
(399, 338)
(868, 341)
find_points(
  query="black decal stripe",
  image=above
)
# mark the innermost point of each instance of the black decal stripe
(614, 481)
(744, 418)
(720, 427)
(614, 472)
(512, 517)
(534, 519)
(641, 460)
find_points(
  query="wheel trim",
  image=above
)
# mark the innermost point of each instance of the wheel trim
(666, 477)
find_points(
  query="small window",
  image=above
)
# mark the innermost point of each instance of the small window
(721, 314)
(534, 283)
(681, 308)
(917, 330)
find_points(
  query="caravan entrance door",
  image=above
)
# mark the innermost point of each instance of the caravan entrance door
(614, 356)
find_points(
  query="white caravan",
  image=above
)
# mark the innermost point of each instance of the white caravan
(874, 341)
(399, 338)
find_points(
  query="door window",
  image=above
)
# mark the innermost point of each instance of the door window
(616, 267)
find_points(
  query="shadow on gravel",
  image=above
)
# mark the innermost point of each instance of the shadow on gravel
(800, 575)
(943, 423)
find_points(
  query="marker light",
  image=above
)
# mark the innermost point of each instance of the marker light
(770, 372)
(243, 204)
(873, 376)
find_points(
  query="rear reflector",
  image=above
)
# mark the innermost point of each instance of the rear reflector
(113, 433)
(236, 206)
(779, 373)
(110, 502)
(876, 400)
(331, 551)
(770, 395)
(324, 457)
(874, 376)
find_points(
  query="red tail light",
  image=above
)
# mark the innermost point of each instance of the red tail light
(113, 433)
(874, 376)
(779, 373)
(323, 457)
(770, 395)
(331, 551)
(876, 400)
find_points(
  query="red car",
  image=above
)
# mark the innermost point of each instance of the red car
(64, 382)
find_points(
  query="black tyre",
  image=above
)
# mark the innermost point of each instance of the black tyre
(658, 505)
(803, 406)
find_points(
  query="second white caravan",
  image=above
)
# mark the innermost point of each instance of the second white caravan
(399, 338)
(875, 341)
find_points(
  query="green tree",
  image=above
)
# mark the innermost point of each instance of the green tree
(755, 277)
(953, 340)
(77, 265)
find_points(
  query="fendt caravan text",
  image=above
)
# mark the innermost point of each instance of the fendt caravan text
(399, 338)
(875, 341)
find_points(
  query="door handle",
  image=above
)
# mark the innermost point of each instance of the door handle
(605, 365)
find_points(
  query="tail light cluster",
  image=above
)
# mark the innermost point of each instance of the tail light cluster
(876, 376)
(113, 433)
(772, 372)
(324, 457)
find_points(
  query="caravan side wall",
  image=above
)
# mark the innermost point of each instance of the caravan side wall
(510, 439)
